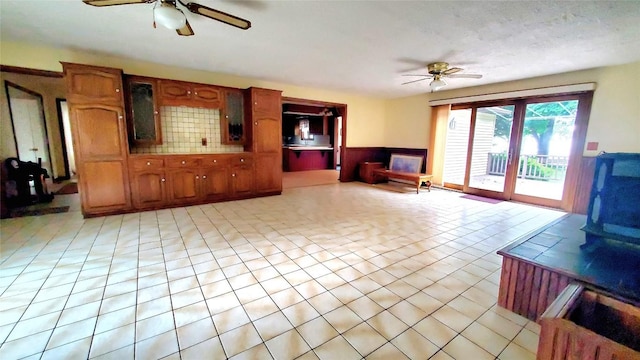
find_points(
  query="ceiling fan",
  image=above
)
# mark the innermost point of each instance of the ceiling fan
(167, 13)
(439, 70)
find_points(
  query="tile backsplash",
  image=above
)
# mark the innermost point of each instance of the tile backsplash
(183, 129)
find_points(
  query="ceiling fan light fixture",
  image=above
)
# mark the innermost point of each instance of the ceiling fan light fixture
(169, 16)
(437, 83)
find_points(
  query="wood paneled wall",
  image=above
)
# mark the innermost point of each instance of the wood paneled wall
(583, 185)
(353, 156)
(527, 289)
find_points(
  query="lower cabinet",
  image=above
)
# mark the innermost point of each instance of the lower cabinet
(184, 186)
(148, 188)
(242, 178)
(104, 187)
(172, 180)
(215, 178)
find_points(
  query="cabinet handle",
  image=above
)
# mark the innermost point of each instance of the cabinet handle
(148, 163)
(255, 103)
(197, 177)
(256, 123)
(117, 90)
(233, 175)
(183, 162)
(155, 113)
(215, 161)
(204, 176)
(241, 160)
(195, 93)
(120, 117)
(188, 92)
(163, 180)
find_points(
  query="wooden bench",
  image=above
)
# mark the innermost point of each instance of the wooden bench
(417, 178)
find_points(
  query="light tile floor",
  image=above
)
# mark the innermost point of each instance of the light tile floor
(345, 271)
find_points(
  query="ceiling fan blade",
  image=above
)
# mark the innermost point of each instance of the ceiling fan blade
(409, 82)
(186, 30)
(115, 2)
(465, 76)
(452, 70)
(425, 75)
(219, 15)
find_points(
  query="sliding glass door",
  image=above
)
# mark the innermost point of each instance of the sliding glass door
(490, 144)
(522, 149)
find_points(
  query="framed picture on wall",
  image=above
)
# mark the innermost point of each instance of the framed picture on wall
(405, 163)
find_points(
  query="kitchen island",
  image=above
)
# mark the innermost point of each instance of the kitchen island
(307, 157)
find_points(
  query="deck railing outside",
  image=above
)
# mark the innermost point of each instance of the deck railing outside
(536, 167)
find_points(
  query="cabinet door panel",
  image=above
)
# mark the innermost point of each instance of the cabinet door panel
(148, 189)
(98, 131)
(268, 173)
(232, 126)
(242, 180)
(268, 135)
(103, 185)
(89, 84)
(207, 94)
(215, 182)
(175, 90)
(143, 116)
(184, 185)
(266, 102)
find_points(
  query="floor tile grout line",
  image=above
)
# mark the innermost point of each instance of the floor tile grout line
(31, 302)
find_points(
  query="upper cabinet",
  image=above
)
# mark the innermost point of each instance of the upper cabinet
(232, 126)
(180, 93)
(143, 111)
(93, 84)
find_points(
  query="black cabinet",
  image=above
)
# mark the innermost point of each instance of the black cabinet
(614, 204)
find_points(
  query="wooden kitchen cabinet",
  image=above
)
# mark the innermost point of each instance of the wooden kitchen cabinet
(214, 184)
(242, 176)
(232, 126)
(148, 189)
(143, 111)
(160, 181)
(183, 178)
(180, 93)
(92, 84)
(96, 111)
(183, 186)
(148, 183)
(266, 139)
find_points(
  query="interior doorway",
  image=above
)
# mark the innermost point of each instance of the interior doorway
(313, 139)
(527, 150)
(66, 139)
(26, 109)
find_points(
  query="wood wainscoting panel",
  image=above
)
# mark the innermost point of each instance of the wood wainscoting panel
(583, 185)
(353, 156)
(528, 289)
(407, 151)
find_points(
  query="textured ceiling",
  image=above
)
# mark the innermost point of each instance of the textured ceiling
(354, 46)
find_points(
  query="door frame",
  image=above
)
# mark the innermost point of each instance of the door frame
(342, 111)
(63, 141)
(578, 141)
(7, 85)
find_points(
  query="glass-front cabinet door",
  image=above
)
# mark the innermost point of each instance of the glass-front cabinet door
(144, 116)
(232, 118)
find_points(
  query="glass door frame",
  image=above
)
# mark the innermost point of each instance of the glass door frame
(515, 141)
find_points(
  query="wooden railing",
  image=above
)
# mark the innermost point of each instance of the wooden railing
(537, 167)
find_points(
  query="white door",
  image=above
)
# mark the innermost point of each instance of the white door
(28, 125)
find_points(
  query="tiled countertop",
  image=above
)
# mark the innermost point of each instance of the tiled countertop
(613, 267)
